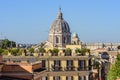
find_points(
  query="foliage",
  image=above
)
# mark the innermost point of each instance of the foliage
(14, 51)
(9, 50)
(68, 50)
(22, 50)
(5, 52)
(84, 50)
(77, 50)
(114, 72)
(55, 50)
(118, 47)
(1, 51)
(31, 50)
(42, 50)
(4, 44)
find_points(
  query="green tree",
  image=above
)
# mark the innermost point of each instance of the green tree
(68, 52)
(114, 72)
(78, 51)
(5, 52)
(22, 51)
(4, 44)
(118, 47)
(84, 50)
(1, 43)
(14, 51)
(42, 50)
(12, 44)
(1, 50)
(31, 50)
(55, 51)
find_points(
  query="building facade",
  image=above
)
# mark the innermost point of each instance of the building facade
(58, 67)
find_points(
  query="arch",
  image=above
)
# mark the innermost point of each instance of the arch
(64, 40)
(57, 39)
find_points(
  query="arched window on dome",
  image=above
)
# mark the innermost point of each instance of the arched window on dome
(57, 39)
(64, 40)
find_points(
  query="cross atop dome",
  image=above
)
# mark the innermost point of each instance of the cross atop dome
(60, 9)
(60, 14)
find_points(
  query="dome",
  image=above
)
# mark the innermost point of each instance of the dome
(60, 25)
(75, 35)
(59, 34)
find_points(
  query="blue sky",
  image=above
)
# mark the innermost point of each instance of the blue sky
(28, 21)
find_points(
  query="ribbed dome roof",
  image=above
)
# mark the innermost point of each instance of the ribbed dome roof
(60, 24)
(75, 35)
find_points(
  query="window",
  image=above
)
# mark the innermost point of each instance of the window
(79, 78)
(57, 39)
(82, 78)
(56, 78)
(57, 65)
(69, 62)
(81, 64)
(57, 62)
(69, 78)
(64, 40)
(43, 78)
(70, 65)
(43, 64)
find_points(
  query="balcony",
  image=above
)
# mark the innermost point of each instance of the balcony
(56, 68)
(83, 68)
(70, 68)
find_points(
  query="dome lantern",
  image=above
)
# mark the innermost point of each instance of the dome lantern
(60, 14)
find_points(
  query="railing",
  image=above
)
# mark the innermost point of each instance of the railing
(57, 68)
(67, 68)
(70, 68)
(83, 68)
(33, 59)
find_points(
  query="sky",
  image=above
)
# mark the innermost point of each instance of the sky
(29, 21)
